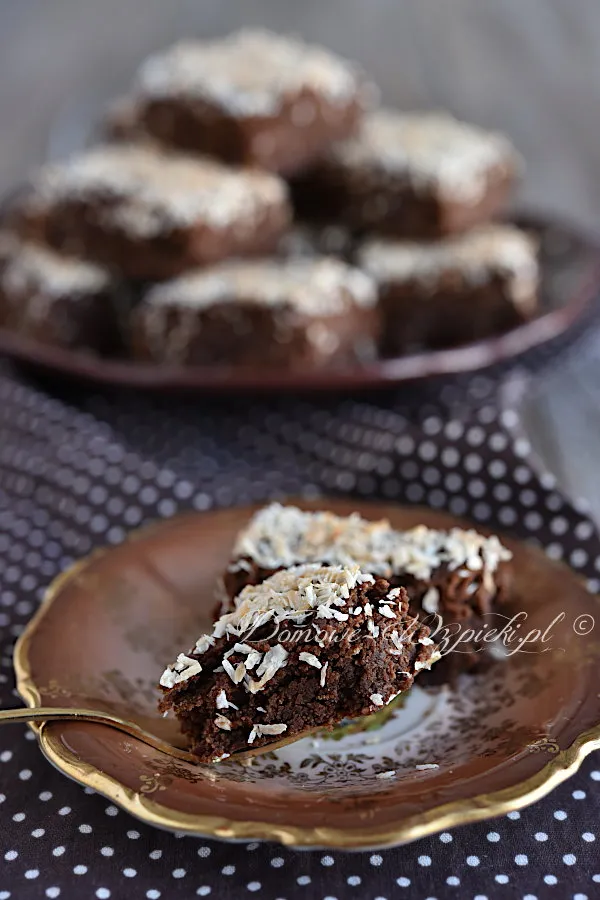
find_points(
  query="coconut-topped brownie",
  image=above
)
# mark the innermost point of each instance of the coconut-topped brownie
(452, 291)
(306, 648)
(253, 98)
(459, 575)
(413, 175)
(152, 215)
(58, 300)
(282, 313)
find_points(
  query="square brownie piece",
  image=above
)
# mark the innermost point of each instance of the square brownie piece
(416, 176)
(252, 98)
(151, 215)
(307, 648)
(278, 313)
(450, 292)
(460, 576)
(57, 300)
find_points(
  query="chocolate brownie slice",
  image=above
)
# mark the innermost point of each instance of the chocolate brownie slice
(416, 176)
(452, 291)
(279, 313)
(57, 300)
(152, 215)
(252, 98)
(456, 580)
(308, 647)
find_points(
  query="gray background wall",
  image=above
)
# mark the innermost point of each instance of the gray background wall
(531, 67)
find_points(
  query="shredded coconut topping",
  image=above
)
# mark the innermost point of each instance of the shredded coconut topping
(223, 723)
(377, 699)
(319, 286)
(477, 256)
(152, 192)
(433, 151)
(281, 536)
(28, 267)
(183, 668)
(311, 659)
(249, 73)
(260, 730)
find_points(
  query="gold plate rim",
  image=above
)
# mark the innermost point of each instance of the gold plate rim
(449, 815)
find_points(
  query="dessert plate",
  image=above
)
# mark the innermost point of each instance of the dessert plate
(570, 283)
(492, 743)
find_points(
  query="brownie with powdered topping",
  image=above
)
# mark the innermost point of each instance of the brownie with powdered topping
(58, 300)
(279, 313)
(151, 215)
(412, 175)
(456, 580)
(308, 647)
(251, 98)
(452, 291)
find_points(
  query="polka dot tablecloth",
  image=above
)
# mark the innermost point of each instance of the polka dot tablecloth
(77, 471)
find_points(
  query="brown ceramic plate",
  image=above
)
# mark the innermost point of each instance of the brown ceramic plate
(570, 282)
(496, 742)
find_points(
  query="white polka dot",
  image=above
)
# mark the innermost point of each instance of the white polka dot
(85, 829)
(45, 796)
(569, 859)
(521, 859)
(560, 814)
(327, 860)
(133, 835)
(472, 860)
(424, 860)
(25, 774)
(493, 836)
(303, 879)
(10, 855)
(502, 879)
(588, 836)
(18, 817)
(58, 851)
(52, 892)
(38, 832)
(152, 894)
(376, 859)
(80, 870)
(580, 897)
(129, 873)
(204, 852)
(353, 880)
(578, 795)
(550, 879)
(515, 814)
(64, 811)
(445, 837)
(228, 870)
(254, 886)
(402, 881)
(111, 810)
(277, 862)
(179, 873)
(5, 756)
(155, 854)
(32, 873)
(529, 897)
(452, 880)
(108, 851)
(541, 836)
(204, 890)
(595, 775)
(103, 893)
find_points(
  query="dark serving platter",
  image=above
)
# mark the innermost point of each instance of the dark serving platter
(570, 263)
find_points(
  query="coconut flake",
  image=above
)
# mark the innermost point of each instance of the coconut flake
(377, 699)
(324, 674)
(223, 723)
(311, 659)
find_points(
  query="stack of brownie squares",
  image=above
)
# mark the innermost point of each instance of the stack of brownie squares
(248, 204)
